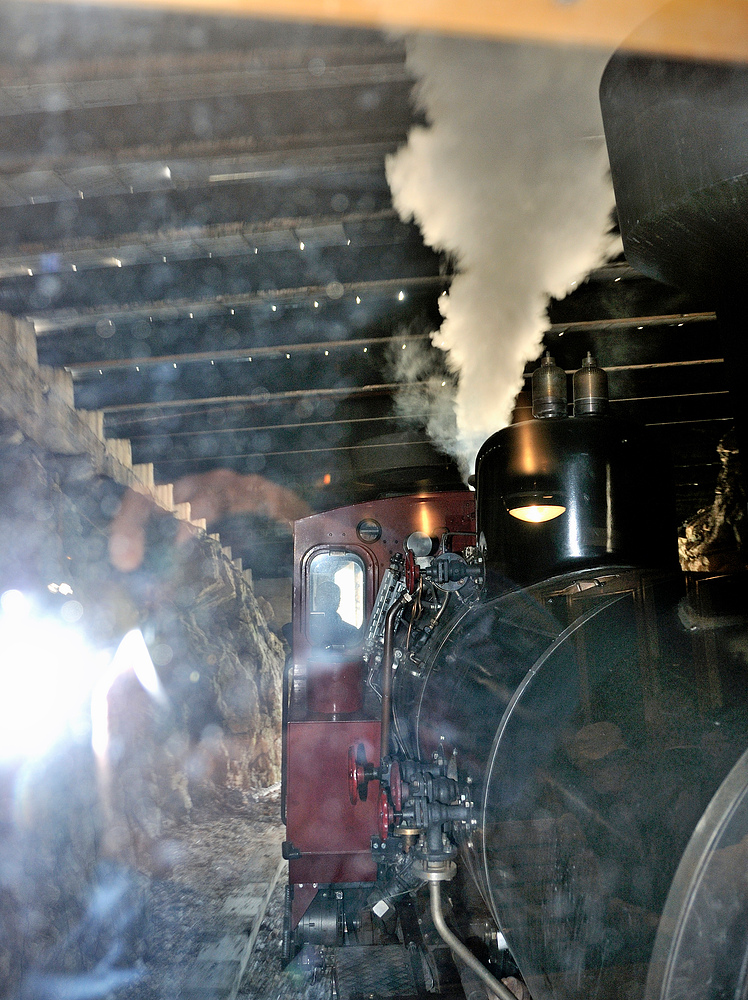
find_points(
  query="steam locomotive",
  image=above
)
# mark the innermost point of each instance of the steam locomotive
(514, 739)
(504, 705)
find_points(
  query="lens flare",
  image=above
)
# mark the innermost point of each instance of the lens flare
(51, 679)
(131, 656)
(46, 672)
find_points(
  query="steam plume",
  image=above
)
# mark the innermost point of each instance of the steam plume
(511, 178)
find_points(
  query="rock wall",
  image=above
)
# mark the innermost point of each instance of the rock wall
(713, 541)
(207, 732)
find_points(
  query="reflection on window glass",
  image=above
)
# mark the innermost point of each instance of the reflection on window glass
(336, 599)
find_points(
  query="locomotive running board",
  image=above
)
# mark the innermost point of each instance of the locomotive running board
(379, 973)
(384, 973)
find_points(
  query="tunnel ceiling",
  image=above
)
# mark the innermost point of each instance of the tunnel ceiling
(194, 214)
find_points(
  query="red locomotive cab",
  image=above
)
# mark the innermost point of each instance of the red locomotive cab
(328, 836)
(332, 729)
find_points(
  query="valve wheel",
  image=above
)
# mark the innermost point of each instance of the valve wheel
(385, 816)
(358, 783)
(412, 572)
(352, 776)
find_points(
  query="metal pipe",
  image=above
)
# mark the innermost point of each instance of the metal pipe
(474, 988)
(389, 632)
(463, 953)
(441, 610)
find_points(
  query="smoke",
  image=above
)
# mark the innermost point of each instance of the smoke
(511, 179)
(426, 396)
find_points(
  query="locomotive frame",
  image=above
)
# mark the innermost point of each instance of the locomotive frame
(533, 754)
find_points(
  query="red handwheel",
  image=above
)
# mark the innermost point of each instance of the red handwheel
(412, 572)
(384, 815)
(352, 776)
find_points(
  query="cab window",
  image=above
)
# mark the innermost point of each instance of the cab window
(336, 599)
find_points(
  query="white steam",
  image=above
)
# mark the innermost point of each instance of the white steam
(426, 396)
(511, 178)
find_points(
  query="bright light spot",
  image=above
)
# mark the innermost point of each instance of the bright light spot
(192, 315)
(13, 602)
(366, 349)
(249, 359)
(316, 304)
(167, 173)
(274, 308)
(444, 383)
(327, 479)
(137, 368)
(60, 588)
(131, 656)
(75, 267)
(46, 674)
(28, 269)
(118, 262)
(175, 364)
(348, 243)
(404, 346)
(288, 355)
(326, 353)
(400, 296)
(233, 311)
(195, 676)
(301, 246)
(358, 300)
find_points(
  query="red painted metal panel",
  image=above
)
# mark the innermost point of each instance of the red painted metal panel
(332, 834)
(335, 685)
(333, 869)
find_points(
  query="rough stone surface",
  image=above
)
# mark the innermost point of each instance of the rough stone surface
(83, 838)
(135, 934)
(713, 541)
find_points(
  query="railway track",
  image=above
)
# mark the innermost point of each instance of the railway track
(213, 913)
(219, 968)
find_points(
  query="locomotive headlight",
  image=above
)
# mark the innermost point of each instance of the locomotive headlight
(535, 507)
